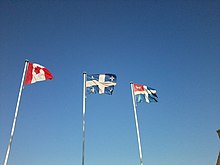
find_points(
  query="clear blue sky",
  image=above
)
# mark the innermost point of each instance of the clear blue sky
(172, 46)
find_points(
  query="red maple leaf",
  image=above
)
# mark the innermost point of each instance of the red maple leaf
(37, 69)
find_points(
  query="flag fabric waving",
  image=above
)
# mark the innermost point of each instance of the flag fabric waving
(144, 94)
(100, 83)
(35, 73)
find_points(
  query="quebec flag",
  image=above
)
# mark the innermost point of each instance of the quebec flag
(144, 94)
(100, 83)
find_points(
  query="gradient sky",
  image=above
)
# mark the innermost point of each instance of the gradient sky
(172, 46)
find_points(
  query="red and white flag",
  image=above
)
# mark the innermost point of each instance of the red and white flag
(35, 73)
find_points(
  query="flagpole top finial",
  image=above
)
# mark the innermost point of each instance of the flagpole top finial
(84, 72)
(26, 60)
(131, 82)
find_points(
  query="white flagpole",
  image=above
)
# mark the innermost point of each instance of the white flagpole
(84, 118)
(16, 113)
(136, 121)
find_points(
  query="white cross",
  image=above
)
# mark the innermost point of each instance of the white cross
(102, 84)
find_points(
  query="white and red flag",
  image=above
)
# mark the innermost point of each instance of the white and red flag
(35, 73)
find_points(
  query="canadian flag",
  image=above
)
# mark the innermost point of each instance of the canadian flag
(35, 73)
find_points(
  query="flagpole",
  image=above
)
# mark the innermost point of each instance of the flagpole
(136, 122)
(15, 115)
(84, 118)
(218, 159)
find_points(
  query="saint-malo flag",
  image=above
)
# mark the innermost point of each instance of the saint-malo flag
(144, 94)
(35, 73)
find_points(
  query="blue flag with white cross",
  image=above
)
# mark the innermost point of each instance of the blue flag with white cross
(100, 83)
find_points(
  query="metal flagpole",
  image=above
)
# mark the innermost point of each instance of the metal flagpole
(136, 121)
(218, 159)
(16, 113)
(84, 117)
